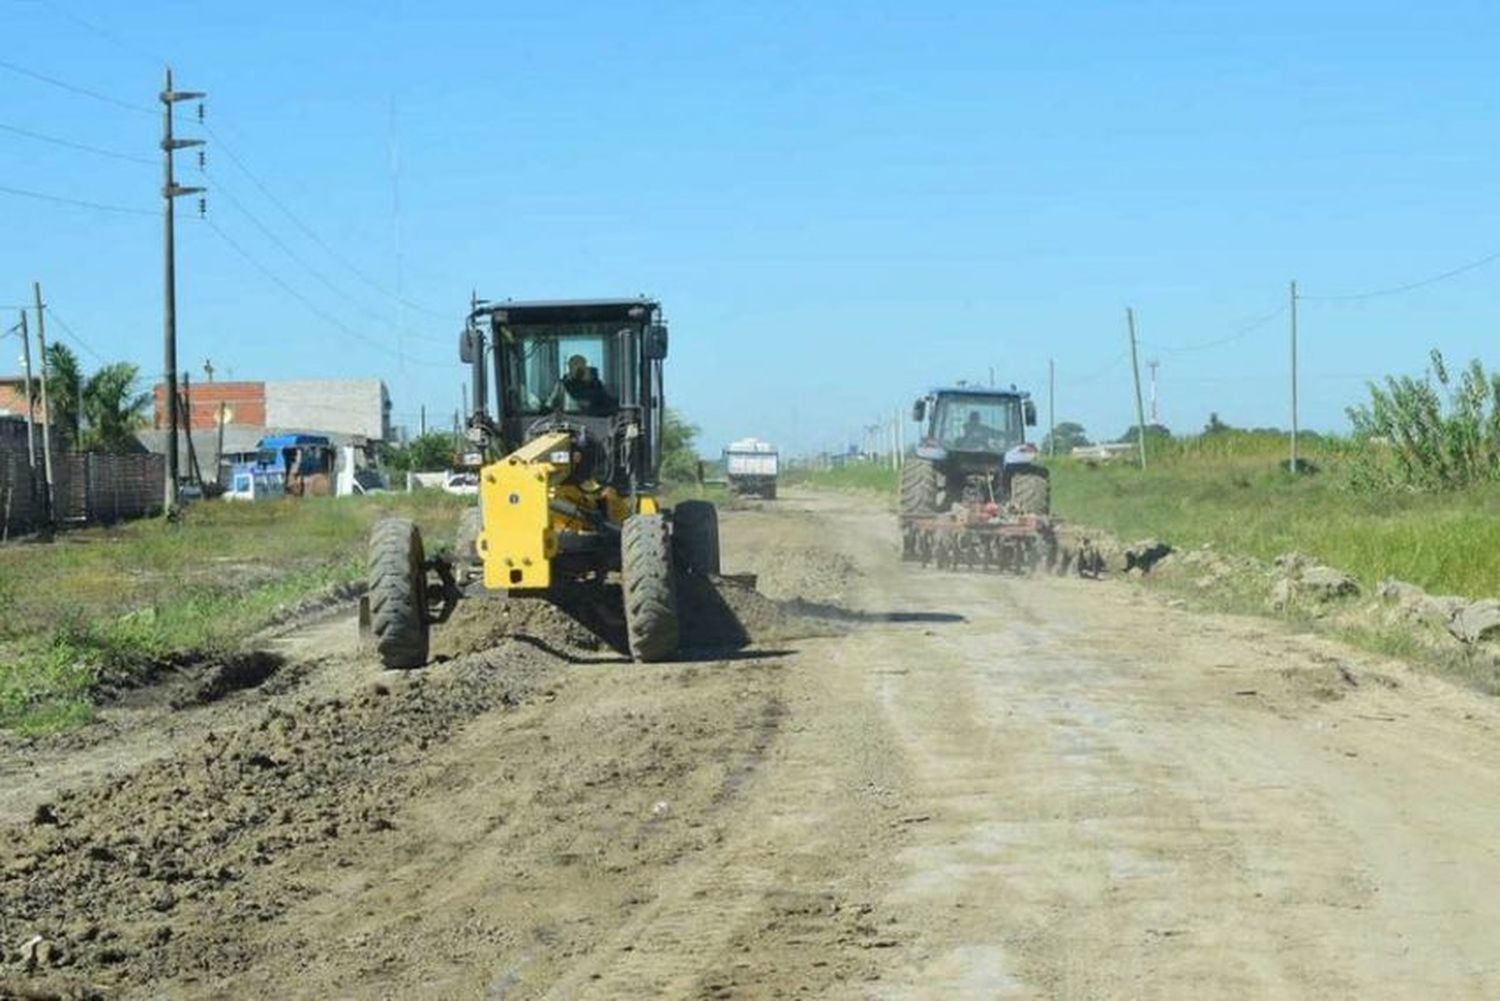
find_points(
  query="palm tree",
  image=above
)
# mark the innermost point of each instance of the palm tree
(113, 409)
(64, 391)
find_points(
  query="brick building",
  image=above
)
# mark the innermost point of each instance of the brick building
(347, 407)
(242, 402)
(13, 397)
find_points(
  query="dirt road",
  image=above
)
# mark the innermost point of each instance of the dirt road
(913, 784)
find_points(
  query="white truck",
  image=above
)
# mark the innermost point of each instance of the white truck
(751, 467)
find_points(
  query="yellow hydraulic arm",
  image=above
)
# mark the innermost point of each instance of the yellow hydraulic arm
(519, 540)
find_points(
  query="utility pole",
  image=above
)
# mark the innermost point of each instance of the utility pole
(1051, 407)
(1135, 367)
(30, 400)
(41, 345)
(422, 421)
(1294, 467)
(170, 192)
(219, 446)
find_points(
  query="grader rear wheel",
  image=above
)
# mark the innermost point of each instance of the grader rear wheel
(646, 580)
(398, 593)
(695, 537)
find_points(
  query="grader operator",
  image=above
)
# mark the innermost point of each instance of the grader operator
(568, 490)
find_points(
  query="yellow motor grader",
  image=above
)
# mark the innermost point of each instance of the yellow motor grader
(568, 486)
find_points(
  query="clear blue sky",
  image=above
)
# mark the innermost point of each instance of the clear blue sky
(838, 203)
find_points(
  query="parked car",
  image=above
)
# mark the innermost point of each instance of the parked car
(463, 483)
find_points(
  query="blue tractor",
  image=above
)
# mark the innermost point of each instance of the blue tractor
(973, 453)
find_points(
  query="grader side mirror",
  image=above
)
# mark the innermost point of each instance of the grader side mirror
(919, 411)
(1029, 410)
(468, 345)
(656, 342)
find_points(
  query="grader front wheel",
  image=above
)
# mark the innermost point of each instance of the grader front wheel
(647, 582)
(398, 594)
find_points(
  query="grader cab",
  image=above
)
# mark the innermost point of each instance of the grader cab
(568, 487)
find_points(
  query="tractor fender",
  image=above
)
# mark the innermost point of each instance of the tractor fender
(1022, 455)
(932, 453)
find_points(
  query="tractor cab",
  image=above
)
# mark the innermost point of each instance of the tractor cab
(974, 420)
(973, 449)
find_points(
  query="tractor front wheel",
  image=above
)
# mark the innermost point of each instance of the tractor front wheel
(398, 593)
(646, 580)
(695, 536)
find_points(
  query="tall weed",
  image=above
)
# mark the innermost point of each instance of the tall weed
(1439, 432)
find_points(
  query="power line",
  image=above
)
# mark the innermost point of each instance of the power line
(78, 202)
(290, 290)
(312, 272)
(311, 234)
(57, 318)
(75, 89)
(1409, 286)
(104, 33)
(1242, 332)
(70, 144)
(1109, 367)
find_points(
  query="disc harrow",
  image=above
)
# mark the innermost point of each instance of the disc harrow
(981, 537)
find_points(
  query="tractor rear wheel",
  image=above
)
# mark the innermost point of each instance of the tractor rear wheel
(1031, 493)
(646, 580)
(695, 536)
(919, 487)
(398, 593)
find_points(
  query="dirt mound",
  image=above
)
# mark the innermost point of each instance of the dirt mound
(149, 875)
(717, 616)
(787, 570)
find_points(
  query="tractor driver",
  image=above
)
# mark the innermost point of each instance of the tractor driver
(976, 434)
(581, 392)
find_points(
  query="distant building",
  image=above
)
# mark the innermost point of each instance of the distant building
(337, 407)
(13, 396)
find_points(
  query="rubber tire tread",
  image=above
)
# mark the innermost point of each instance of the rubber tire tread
(1031, 493)
(919, 487)
(397, 588)
(695, 537)
(646, 580)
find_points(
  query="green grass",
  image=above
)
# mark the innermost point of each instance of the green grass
(1236, 496)
(854, 476)
(107, 603)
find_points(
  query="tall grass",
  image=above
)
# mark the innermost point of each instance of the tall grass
(853, 476)
(1235, 494)
(1412, 439)
(108, 603)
